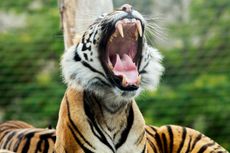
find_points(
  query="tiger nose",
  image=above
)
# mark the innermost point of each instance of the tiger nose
(127, 8)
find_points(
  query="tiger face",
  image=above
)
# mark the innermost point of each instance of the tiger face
(113, 57)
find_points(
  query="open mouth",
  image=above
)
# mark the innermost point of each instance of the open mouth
(123, 51)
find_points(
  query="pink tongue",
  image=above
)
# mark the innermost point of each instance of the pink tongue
(125, 67)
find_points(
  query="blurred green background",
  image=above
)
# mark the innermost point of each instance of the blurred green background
(194, 37)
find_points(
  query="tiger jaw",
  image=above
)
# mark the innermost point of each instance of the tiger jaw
(123, 52)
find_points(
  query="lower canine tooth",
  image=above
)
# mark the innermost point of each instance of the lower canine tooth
(110, 64)
(138, 80)
(124, 82)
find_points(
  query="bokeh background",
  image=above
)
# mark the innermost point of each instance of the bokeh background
(193, 36)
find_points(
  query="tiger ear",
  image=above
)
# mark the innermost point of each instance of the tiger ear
(76, 39)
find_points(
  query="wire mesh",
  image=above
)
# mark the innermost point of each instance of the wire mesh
(193, 92)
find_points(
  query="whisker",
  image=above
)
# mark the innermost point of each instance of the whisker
(155, 31)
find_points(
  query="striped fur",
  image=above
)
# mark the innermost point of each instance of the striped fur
(89, 127)
(21, 137)
(96, 116)
(177, 139)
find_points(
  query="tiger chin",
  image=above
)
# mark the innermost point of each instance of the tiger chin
(109, 66)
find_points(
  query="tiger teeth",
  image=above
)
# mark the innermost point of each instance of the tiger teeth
(139, 28)
(111, 39)
(120, 28)
(124, 81)
(138, 80)
(110, 64)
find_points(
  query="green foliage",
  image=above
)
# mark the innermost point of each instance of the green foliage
(31, 86)
(194, 91)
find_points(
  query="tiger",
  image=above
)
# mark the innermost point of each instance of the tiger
(109, 66)
(18, 136)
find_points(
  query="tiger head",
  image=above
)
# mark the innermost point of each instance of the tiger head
(113, 57)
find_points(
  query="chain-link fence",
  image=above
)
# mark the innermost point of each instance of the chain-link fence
(194, 91)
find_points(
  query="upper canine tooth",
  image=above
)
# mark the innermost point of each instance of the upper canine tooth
(120, 28)
(139, 27)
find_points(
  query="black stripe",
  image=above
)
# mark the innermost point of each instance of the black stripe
(8, 139)
(44, 137)
(53, 138)
(9, 146)
(204, 147)
(125, 132)
(149, 133)
(86, 56)
(93, 123)
(171, 138)
(102, 81)
(189, 144)
(1, 143)
(86, 150)
(38, 147)
(143, 151)
(196, 140)
(140, 138)
(165, 143)
(184, 133)
(139, 63)
(72, 123)
(153, 128)
(27, 143)
(158, 139)
(94, 39)
(152, 146)
(92, 69)
(90, 100)
(77, 58)
(46, 147)
(93, 130)
(143, 70)
(19, 140)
